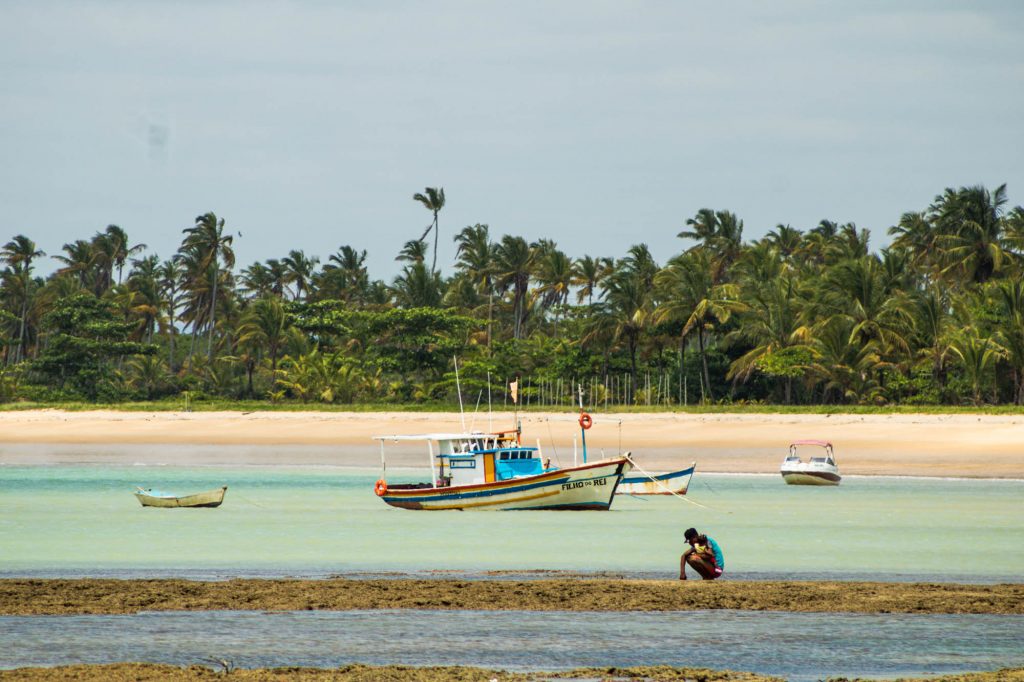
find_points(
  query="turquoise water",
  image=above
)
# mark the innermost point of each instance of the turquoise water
(314, 521)
(799, 646)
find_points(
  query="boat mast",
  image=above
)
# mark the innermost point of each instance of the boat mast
(458, 389)
(583, 431)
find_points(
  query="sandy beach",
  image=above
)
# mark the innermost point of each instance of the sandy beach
(954, 445)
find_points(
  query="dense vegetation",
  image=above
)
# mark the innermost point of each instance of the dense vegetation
(798, 317)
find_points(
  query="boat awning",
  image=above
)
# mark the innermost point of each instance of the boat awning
(436, 436)
(822, 443)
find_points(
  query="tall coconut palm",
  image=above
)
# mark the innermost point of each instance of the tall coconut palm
(345, 276)
(513, 268)
(433, 201)
(415, 287)
(78, 261)
(171, 277)
(209, 242)
(119, 250)
(18, 254)
(590, 272)
(686, 292)
(970, 229)
(627, 308)
(300, 270)
(475, 261)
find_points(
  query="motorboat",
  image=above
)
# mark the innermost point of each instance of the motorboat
(149, 497)
(819, 469)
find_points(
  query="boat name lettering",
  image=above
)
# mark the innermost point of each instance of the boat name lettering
(579, 484)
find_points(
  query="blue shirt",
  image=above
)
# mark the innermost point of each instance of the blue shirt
(717, 551)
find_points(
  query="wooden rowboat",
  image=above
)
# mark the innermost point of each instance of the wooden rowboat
(156, 498)
(659, 483)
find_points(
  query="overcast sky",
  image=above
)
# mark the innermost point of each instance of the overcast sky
(309, 125)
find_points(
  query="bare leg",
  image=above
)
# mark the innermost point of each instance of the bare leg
(704, 568)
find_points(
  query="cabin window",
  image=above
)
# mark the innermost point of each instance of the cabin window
(462, 463)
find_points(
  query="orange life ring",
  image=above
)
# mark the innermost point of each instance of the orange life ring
(380, 487)
(586, 421)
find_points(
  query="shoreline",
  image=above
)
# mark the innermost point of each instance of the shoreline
(916, 445)
(55, 596)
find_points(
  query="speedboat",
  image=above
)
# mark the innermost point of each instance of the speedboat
(817, 470)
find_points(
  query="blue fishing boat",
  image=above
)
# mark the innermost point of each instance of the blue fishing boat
(657, 483)
(495, 471)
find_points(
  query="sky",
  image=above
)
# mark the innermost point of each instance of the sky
(310, 124)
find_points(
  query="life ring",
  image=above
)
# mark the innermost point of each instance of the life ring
(586, 421)
(380, 487)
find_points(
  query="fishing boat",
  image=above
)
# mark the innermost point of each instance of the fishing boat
(494, 471)
(149, 497)
(657, 483)
(817, 470)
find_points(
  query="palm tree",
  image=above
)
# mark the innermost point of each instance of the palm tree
(555, 276)
(970, 230)
(78, 261)
(589, 274)
(208, 241)
(264, 325)
(300, 271)
(977, 357)
(417, 288)
(433, 201)
(117, 239)
(1009, 296)
(686, 292)
(18, 254)
(626, 308)
(413, 251)
(475, 261)
(513, 267)
(171, 276)
(345, 276)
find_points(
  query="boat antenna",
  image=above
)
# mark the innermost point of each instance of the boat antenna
(458, 389)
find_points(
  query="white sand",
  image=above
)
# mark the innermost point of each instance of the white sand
(912, 445)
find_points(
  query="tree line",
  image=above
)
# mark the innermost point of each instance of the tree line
(800, 316)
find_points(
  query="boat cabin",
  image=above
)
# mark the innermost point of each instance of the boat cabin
(469, 459)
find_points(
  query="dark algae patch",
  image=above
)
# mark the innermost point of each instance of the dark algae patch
(111, 596)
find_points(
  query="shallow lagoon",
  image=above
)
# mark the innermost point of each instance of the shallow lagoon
(312, 521)
(318, 521)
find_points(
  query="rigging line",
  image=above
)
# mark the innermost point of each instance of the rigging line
(246, 499)
(472, 421)
(553, 447)
(669, 490)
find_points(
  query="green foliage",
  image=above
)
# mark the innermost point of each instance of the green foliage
(84, 341)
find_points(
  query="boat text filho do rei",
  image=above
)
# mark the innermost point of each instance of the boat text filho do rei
(495, 471)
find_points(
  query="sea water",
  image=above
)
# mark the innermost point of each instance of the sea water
(316, 521)
(798, 646)
(320, 521)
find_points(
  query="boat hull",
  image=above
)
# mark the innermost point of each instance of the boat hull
(811, 477)
(210, 498)
(586, 487)
(667, 483)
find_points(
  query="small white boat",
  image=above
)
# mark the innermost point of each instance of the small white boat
(817, 470)
(158, 498)
(655, 483)
(493, 471)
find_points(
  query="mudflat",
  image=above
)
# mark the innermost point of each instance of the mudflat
(112, 596)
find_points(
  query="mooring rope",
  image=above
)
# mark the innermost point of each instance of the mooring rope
(667, 489)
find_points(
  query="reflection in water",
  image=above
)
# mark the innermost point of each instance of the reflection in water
(796, 646)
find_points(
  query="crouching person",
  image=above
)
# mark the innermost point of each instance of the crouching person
(703, 555)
